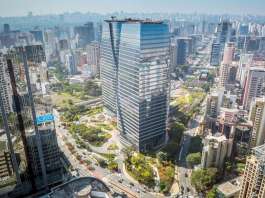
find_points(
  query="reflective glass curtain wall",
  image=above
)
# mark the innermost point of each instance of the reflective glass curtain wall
(135, 54)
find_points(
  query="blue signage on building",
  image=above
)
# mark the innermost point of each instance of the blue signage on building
(45, 118)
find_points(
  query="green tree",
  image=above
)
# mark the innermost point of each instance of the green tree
(193, 159)
(92, 88)
(203, 179)
(162, 156)
(112, 165)
(212, 193)
(228, 166)
(195, 144)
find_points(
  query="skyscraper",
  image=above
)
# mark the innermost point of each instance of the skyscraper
(254, 85)
(257, 116)
(253, 184)
(70, 63)
(22, 124)
(38, 35)
(215, 54)
(182, 45)
(93, 56)
(135, 71)
(224, 73)
(6, 28)
(109, 64)
(224, 32)
(228, 53)
(85, 34)
(5, 85)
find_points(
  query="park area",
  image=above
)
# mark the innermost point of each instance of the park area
(65, 93)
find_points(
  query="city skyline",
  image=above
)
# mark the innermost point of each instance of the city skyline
(41, 7)
(158, 100)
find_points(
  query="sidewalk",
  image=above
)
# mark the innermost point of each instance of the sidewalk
(175, 187)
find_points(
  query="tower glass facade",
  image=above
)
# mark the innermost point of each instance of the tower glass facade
(139, 72)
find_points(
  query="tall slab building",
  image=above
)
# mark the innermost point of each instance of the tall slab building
(135, 79)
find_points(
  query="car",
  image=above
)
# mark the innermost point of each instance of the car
(131, 184)
(120, 180)
(91, 168)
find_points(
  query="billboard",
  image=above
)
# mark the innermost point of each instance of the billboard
(45, 118)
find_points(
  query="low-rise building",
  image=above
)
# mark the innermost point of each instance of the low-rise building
(229, 189)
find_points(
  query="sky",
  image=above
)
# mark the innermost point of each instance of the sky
(41, 7)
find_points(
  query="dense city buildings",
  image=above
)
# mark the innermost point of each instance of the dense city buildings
(157, 104)
(33, 151)
(141, 83)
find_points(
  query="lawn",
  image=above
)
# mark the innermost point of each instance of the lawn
(61, 99)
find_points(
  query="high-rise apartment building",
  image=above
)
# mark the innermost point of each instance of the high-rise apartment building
(257, 116)
(254, 85)
(253, 184)
(215, 150)
(215, 54)
(38, 35)
(135, 79)
(224, 32)
(244, 65)
(227, 74)
(229, 51)
(243, 29)
(85, 34)
(214, 102)
(6, 28)
(224, 74)
(5, 85)
(70, 63)
(182, 45)
(93, 56)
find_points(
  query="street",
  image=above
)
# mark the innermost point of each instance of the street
(117, 181)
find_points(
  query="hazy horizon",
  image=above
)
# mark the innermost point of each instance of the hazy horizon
(11, 8)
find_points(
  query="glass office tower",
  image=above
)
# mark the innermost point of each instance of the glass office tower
(31, 154)
(136, 54)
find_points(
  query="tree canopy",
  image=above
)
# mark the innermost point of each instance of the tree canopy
(203, 179)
